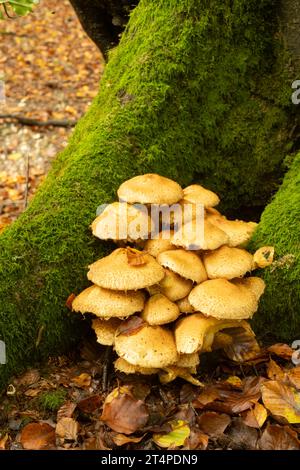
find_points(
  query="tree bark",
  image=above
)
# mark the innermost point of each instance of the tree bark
(103, 20)
(193, 91)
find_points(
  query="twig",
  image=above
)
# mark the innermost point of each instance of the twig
(106, 364)
(35, 122)
(27, 182)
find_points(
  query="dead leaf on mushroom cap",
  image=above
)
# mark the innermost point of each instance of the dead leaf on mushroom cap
(38, 436)
(135, 257)
(277, 437)
(282, 400)
(131, 326)
(123, 413)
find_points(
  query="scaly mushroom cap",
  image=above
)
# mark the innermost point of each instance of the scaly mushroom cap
(255, 284)
(263, 257)
(238, 231)
(159, 310)
(107, 303)
(158, 245)
(151, 346)
(223, 299)
(105, 330)
(196, 332)
(184, 263)
(192, 237)
(123, 366)
(174, 286)
(150, 189)
(110, 224)
(196, 194)
(185, 306)
(125, 269)
(227, 263)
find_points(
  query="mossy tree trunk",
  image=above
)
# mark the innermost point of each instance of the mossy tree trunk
(196, 90)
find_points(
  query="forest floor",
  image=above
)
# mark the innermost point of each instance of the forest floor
(51, 70)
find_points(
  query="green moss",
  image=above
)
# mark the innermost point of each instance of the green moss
(194, 92)
(52, 400)
(279, 313)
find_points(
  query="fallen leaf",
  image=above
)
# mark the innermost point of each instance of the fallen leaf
(67, 429)
(120, 439)
(37, 436)
(69, 301)
(256, 417)
(244, 346)
(32, 392)
(131, 326)
(282, 400)
(277, 437)
(281, 350)
(123, 413)
(234, 381)
(274, 371)
(4, 442)
(28, 378)
(82, 381)
(293, 376)
(242, 436)
(90, 404)
(185, 413)
(212, 423)
(197, 440)
(208, 395)
(176, 438)
(66, 410)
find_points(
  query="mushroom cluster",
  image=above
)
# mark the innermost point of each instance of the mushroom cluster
(168, 294)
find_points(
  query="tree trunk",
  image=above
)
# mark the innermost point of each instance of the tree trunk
(196, 90)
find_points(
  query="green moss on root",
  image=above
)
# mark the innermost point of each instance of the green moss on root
(195, 92)
(279, 313)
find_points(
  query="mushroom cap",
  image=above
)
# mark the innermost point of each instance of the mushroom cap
(185, 306)
(190, 236)
(174, 286)
(123, 366)
(238, 231)
(255, 284)
(158, 245)
(159, 310)
(223, 299)
(263, 257)
(188, 360)
(150, 189)
(227, 262)
(110, 223)
(184, 263)
(118, 271)
(107, 303)
(196, 332)
(199, 195)
(105, 330)
(151, 346)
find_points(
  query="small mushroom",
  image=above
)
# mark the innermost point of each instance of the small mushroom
(150, 189)
(159, 310)
(105, 330)
(255, 284)
(223, 299)
(122, 221)
(150, 346)
(121, 271)
(158, 245)
(123, 366)
(238, 231)
(185, 306)
(188, 360)
(174, 286)
(184, 263)
(227, 263)
(197, 194)
(190, 236)
(263, 257)
(107, 303)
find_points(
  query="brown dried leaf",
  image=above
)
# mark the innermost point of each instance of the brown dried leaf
(66, 410)
(277, 437)
(82, 381)
(90, 404)
(131, 326)
(135, 257)
(212, 423)
(282, 400)
(123, 413)
(244, 346)
(120, 439)
(32, 392)
(67, 428)
(242, 436)
(197, 440)
(28, 378)
(293, 376)
(256, 417)
(281, 350)
(4, 442)
(274, 371)
(38, 436)
(208, 395)
(69, 301)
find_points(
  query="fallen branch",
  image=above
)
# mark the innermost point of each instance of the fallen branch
(35, 122)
